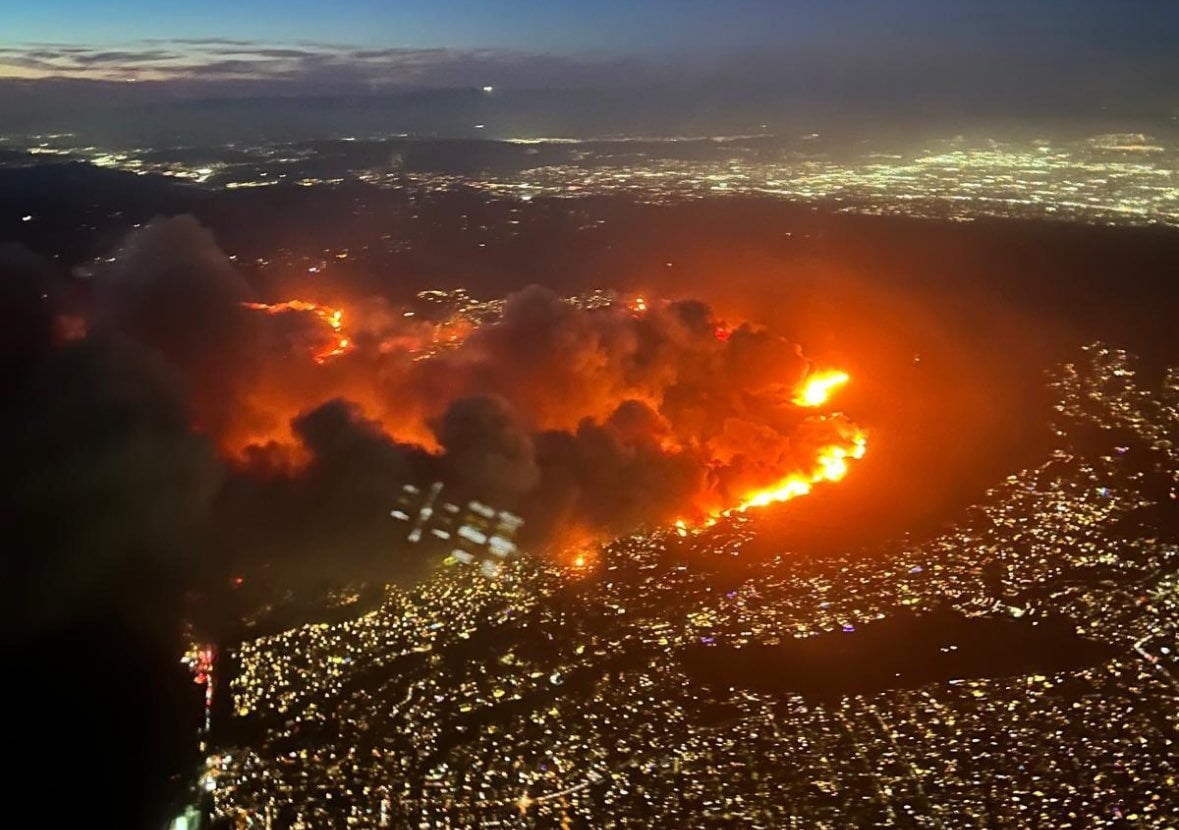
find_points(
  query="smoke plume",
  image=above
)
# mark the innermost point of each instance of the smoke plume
(275, 432)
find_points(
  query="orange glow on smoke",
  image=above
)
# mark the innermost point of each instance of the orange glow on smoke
(338, 344)
(831, 461)
(818, 387)
(746, 461)
(578, 549)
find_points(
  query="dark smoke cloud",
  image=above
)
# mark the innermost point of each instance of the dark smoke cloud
(588, 420)
(329, 518)
(104, 481)
(487, 448)
(611, 476)
(171, 288)
(106, 492)
(27, 283)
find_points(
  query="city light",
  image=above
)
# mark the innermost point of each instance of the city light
(578, 734)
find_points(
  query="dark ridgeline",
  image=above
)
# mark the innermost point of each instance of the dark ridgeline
(905, 651)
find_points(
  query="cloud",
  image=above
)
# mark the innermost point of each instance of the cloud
(122, 58)
(1044, 71)
(185, 61)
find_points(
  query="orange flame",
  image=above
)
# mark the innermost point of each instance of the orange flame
(334, 317)
(831, 462)
(830, 465)
(581, 561)
(818, 387)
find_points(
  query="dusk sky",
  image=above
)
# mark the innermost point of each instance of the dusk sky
(752, 59)
(124, 34)
(561, 25)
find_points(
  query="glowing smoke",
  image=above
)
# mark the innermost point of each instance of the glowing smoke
(587, 420)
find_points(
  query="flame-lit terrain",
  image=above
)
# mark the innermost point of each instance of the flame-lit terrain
(770, 440)
(337, 342)
(589, 415)
(255, 427)
(785, 522)
(831, 464)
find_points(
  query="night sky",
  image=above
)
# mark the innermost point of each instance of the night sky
(608, 42)
(611, 25)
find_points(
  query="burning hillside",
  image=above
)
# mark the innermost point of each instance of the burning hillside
(336, 344)
(551, 393)
(585, 417)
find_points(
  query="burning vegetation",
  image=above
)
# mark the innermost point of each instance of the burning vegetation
(590, 416)
(337, 342)
(587, 418)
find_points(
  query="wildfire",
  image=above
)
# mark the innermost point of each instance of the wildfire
(830, 465)
(818, 387)
(69, 328)
(339, 343)
(831, 461)
(581, 561)
(749, 460)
